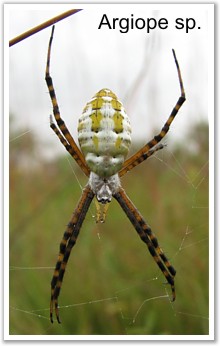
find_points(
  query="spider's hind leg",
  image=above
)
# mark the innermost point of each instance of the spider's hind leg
(66, 245)
(147, 236)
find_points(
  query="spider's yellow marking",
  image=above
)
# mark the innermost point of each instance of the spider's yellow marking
(95, 142)
(116, 104)
(96, 118)
(97, 102)
(118, 122)
(118, 143)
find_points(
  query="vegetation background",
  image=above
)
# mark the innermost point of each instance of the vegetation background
(112, 285)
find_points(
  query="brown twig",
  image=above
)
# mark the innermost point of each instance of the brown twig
(42, 26)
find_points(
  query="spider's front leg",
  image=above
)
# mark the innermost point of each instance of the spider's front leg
(67, 242)
(152, 146)
(61, 129)
(147, 236)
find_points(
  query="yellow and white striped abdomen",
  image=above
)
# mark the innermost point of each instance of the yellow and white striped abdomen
(104, 133)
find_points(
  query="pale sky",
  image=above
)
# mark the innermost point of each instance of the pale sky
(137, 66)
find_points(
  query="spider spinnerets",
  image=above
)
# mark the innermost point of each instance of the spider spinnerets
(104, 134)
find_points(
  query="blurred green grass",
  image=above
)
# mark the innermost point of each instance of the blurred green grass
(112, 285)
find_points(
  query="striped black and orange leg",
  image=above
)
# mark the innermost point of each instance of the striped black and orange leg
(148, 150)
(68, 241)
(140, 159)
(147, 236)
(75, 152)
(67, 146)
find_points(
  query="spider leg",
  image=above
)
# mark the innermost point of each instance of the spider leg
(63, 132)
(140, 159)
(147, 236)
(147, 150)
(68, 241)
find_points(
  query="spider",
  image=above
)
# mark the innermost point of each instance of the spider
(104, 136)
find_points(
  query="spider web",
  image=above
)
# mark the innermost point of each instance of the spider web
(124, 293)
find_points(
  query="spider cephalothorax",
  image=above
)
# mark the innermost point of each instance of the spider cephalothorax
(104, 135)
(104, 188)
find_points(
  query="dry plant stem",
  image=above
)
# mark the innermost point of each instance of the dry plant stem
(42, 26)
